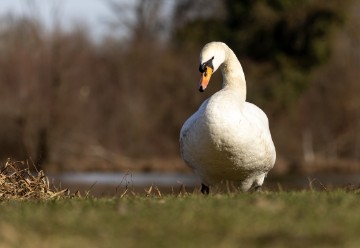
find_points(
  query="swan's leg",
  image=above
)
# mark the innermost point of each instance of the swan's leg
(257, 183)
(255, 188)
(204, 189)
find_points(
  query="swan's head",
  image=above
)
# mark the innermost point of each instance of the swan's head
(211, 57)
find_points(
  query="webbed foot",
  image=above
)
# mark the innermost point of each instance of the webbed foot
(205, 189)
(255, 187)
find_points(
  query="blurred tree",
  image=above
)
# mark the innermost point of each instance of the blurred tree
(140, 20)
(282, 41)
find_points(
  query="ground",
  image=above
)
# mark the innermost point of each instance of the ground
(266, 219)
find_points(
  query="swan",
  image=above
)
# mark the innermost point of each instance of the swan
(227, 138)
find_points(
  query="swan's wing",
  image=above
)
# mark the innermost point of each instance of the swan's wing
(256, 116)
(190, 135)
(189, 123)
(186, 134)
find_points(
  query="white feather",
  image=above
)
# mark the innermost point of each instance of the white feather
(228, 138)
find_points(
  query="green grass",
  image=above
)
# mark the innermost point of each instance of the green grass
(268, 219)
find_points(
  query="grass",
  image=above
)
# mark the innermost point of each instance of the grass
(268, 219)
(32, 214)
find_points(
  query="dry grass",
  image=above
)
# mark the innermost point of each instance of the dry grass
(21, 184)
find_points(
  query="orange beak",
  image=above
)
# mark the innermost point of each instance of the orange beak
(205, 78)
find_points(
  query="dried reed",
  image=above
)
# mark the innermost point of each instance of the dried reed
(21, 184)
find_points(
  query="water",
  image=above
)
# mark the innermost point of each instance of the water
(115, 183)
(110, 184)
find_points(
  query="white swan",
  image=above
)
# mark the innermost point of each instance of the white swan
(227, 138)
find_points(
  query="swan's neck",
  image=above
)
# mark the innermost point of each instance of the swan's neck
(233, 75)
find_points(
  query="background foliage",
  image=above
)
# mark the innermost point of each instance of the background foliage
(71, 103)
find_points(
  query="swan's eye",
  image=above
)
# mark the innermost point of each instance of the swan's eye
(202, 67)
(210, 64)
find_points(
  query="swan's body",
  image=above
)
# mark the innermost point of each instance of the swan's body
(227, 139)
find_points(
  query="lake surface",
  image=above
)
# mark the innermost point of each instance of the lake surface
(110, 184)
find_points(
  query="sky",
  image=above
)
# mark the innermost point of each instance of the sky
(93, 13)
